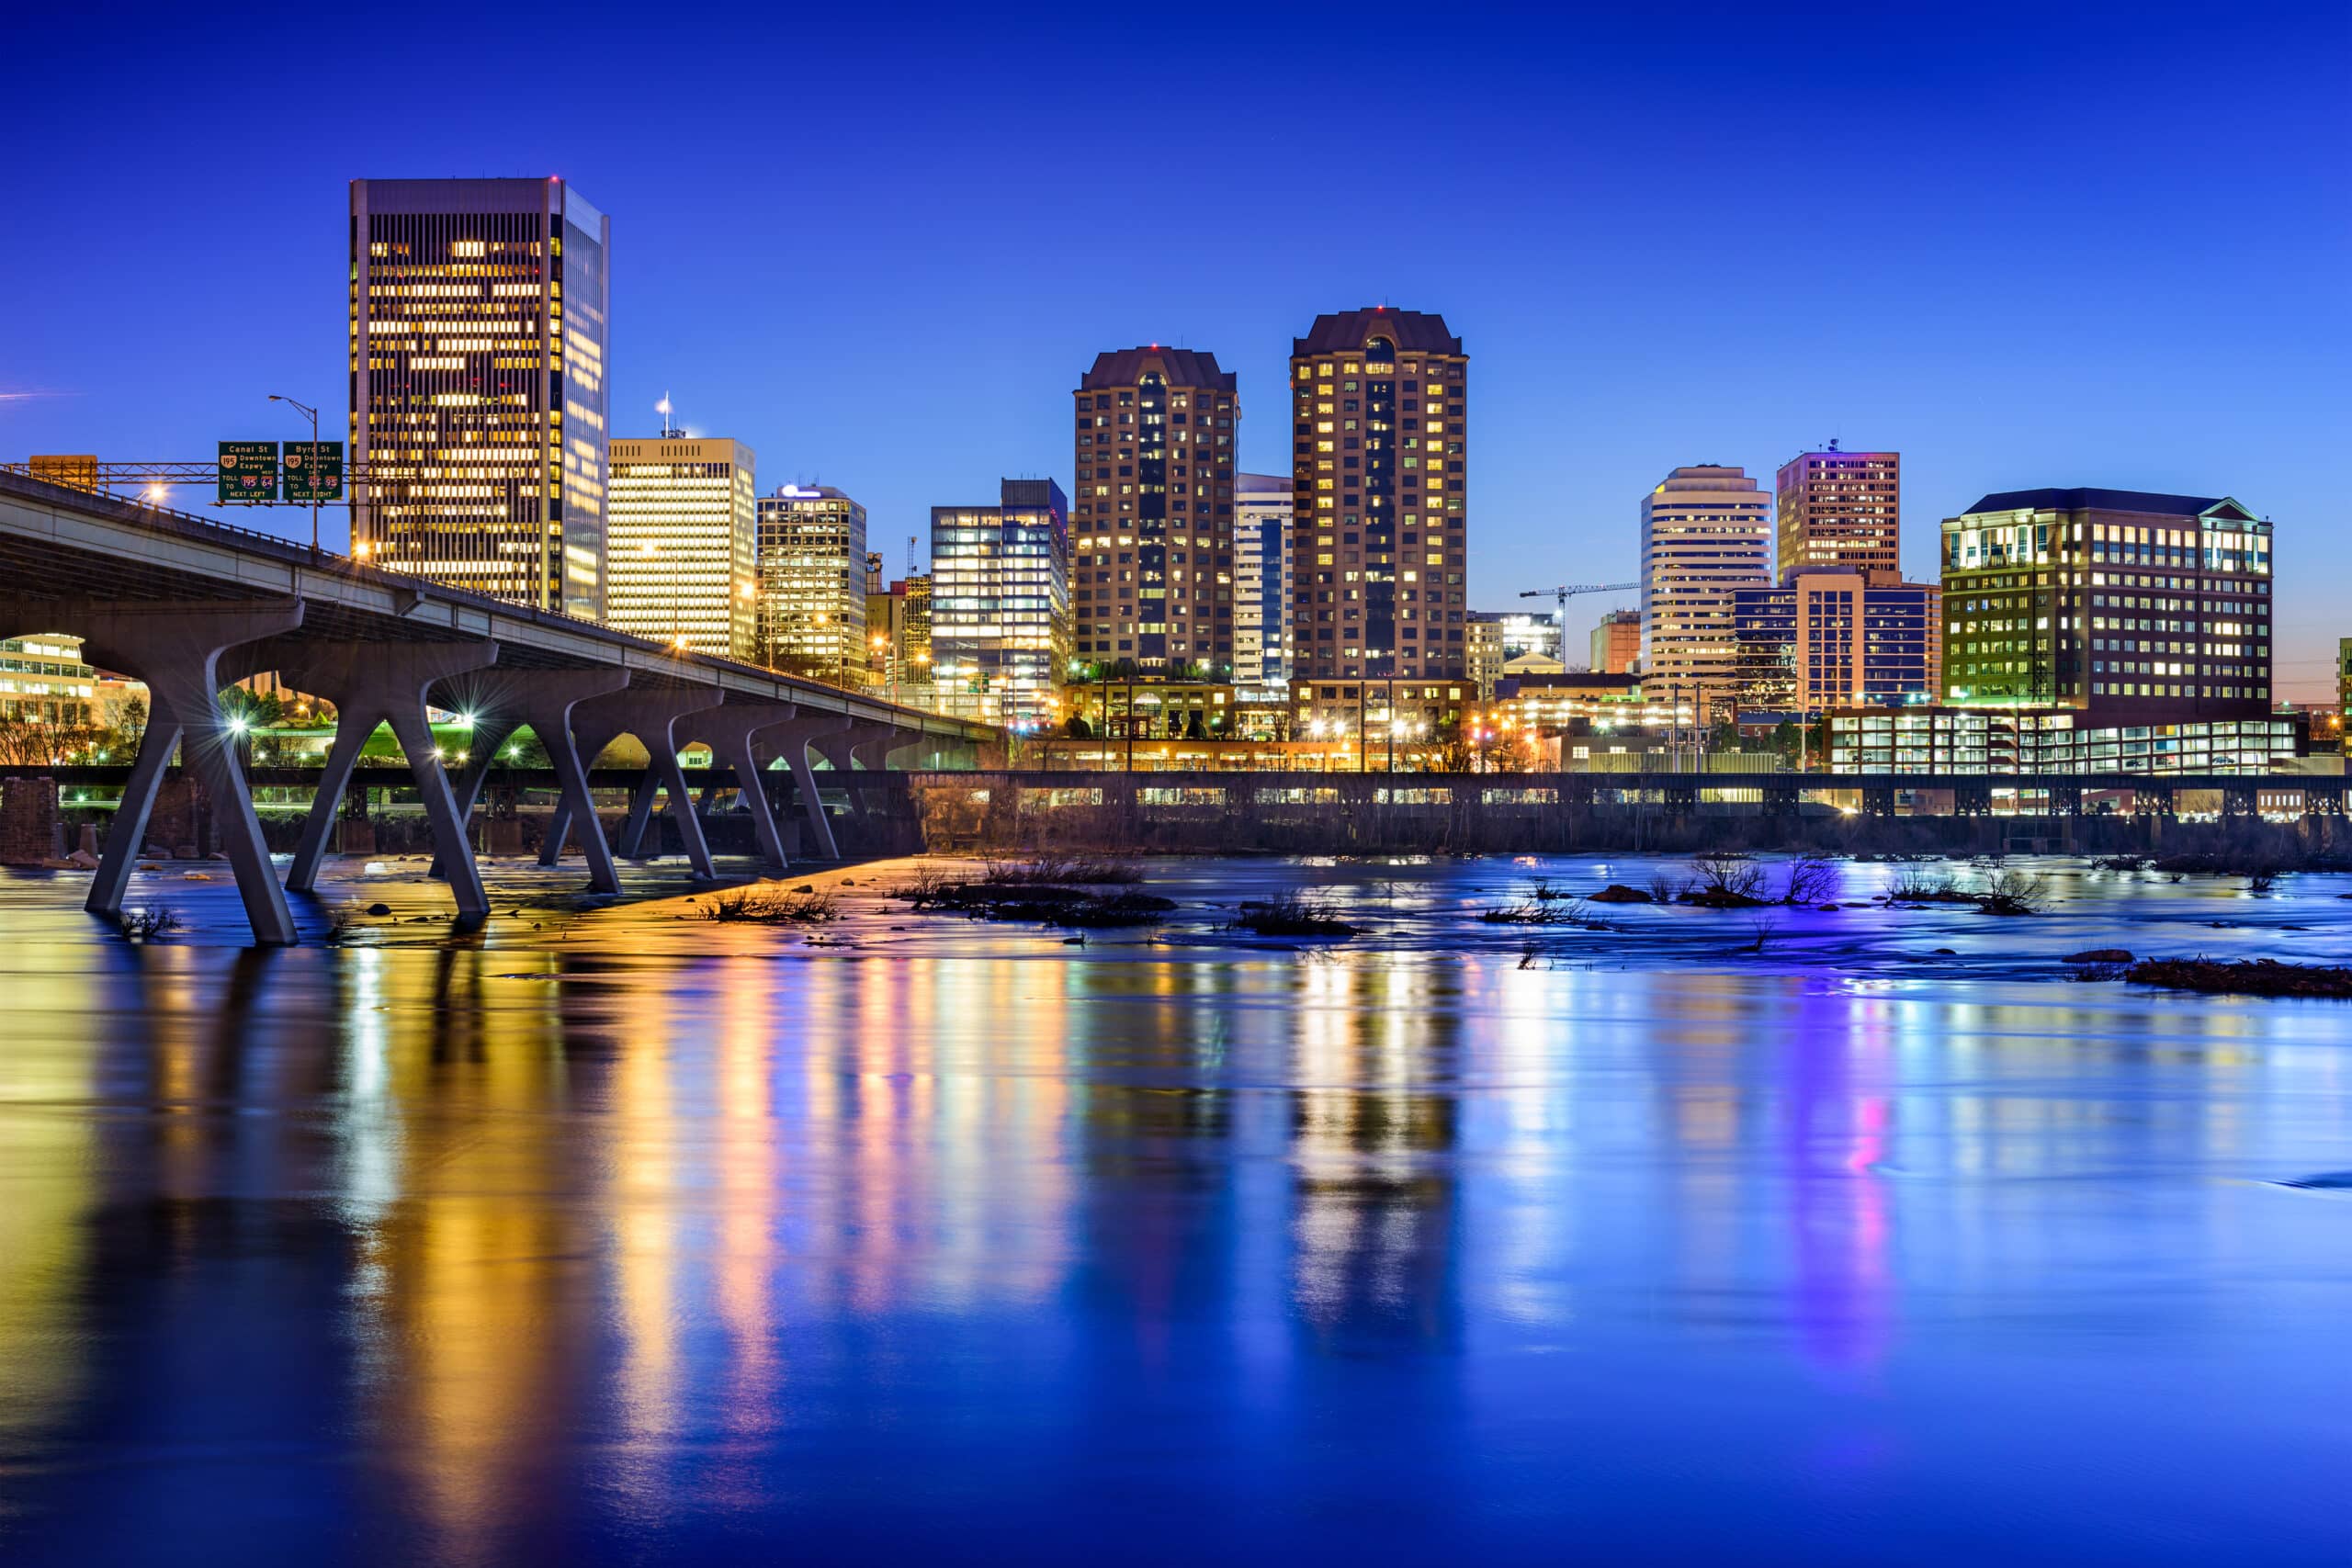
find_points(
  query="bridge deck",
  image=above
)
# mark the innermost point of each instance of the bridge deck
(60, 543)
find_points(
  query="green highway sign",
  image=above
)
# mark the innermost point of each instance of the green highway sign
(314, 470)
(248, 472)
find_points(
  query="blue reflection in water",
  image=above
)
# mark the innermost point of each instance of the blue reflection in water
(631, 1238)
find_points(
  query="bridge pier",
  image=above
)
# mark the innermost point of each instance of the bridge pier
(494, 699)
(648, 715)
(730, 731)
(792, 740)
(543, 701)
(178, 650)
(378, 684)
(839, 749)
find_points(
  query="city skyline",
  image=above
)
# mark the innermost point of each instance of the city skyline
(2089, 363)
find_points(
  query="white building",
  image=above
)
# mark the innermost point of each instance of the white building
(1261, 581)
(680, 566)
(1706, 533)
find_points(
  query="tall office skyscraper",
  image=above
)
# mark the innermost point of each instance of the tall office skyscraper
(1379, 477)
(478, 386)
(1262, 580)
(999, 605)
(812, 581)
(1842, 509)
(1706, 533)
(1153, 516)
(680, 566)
(2134, 607)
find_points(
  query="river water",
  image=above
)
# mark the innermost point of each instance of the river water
(612, 1234)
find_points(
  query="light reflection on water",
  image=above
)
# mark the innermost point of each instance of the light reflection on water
(637, 1238)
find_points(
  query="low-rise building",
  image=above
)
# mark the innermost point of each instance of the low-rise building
(2130, 607)
(2013, 740)
(1483, 646)
(1617, 642)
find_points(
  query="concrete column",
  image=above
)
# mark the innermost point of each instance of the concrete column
(129, 830)
(729, 731)
(652, 717)
(372, 683)
(913, 751)
(177, 649)
(490, 732)
(792, 741)
(543, 701)
(841, 750)
(640, 811)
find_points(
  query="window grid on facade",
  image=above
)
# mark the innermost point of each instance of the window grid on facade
(478, 327)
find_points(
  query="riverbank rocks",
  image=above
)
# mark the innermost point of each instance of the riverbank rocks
(2100, 955)
(1618, 893)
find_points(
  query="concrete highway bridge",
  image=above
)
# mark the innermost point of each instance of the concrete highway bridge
(191, 606)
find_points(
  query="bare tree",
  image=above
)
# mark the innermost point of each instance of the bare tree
(1812, 879)
(1727, 875)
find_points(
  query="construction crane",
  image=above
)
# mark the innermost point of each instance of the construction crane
(1567, 591)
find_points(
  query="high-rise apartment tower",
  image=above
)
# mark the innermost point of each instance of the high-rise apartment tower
(1152, 514)
(1378, 480)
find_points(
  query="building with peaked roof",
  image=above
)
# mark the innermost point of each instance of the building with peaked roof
(2137, 606)
(1151, 513)
(1381, 525)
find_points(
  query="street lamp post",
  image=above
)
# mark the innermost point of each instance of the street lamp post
(300, 407)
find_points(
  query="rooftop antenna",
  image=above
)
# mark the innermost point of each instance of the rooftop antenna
(668, 431)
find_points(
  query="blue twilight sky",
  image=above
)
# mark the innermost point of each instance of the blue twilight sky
(2023, 244)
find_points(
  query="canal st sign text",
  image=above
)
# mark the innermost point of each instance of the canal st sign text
(249, 472)
(314, 470)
